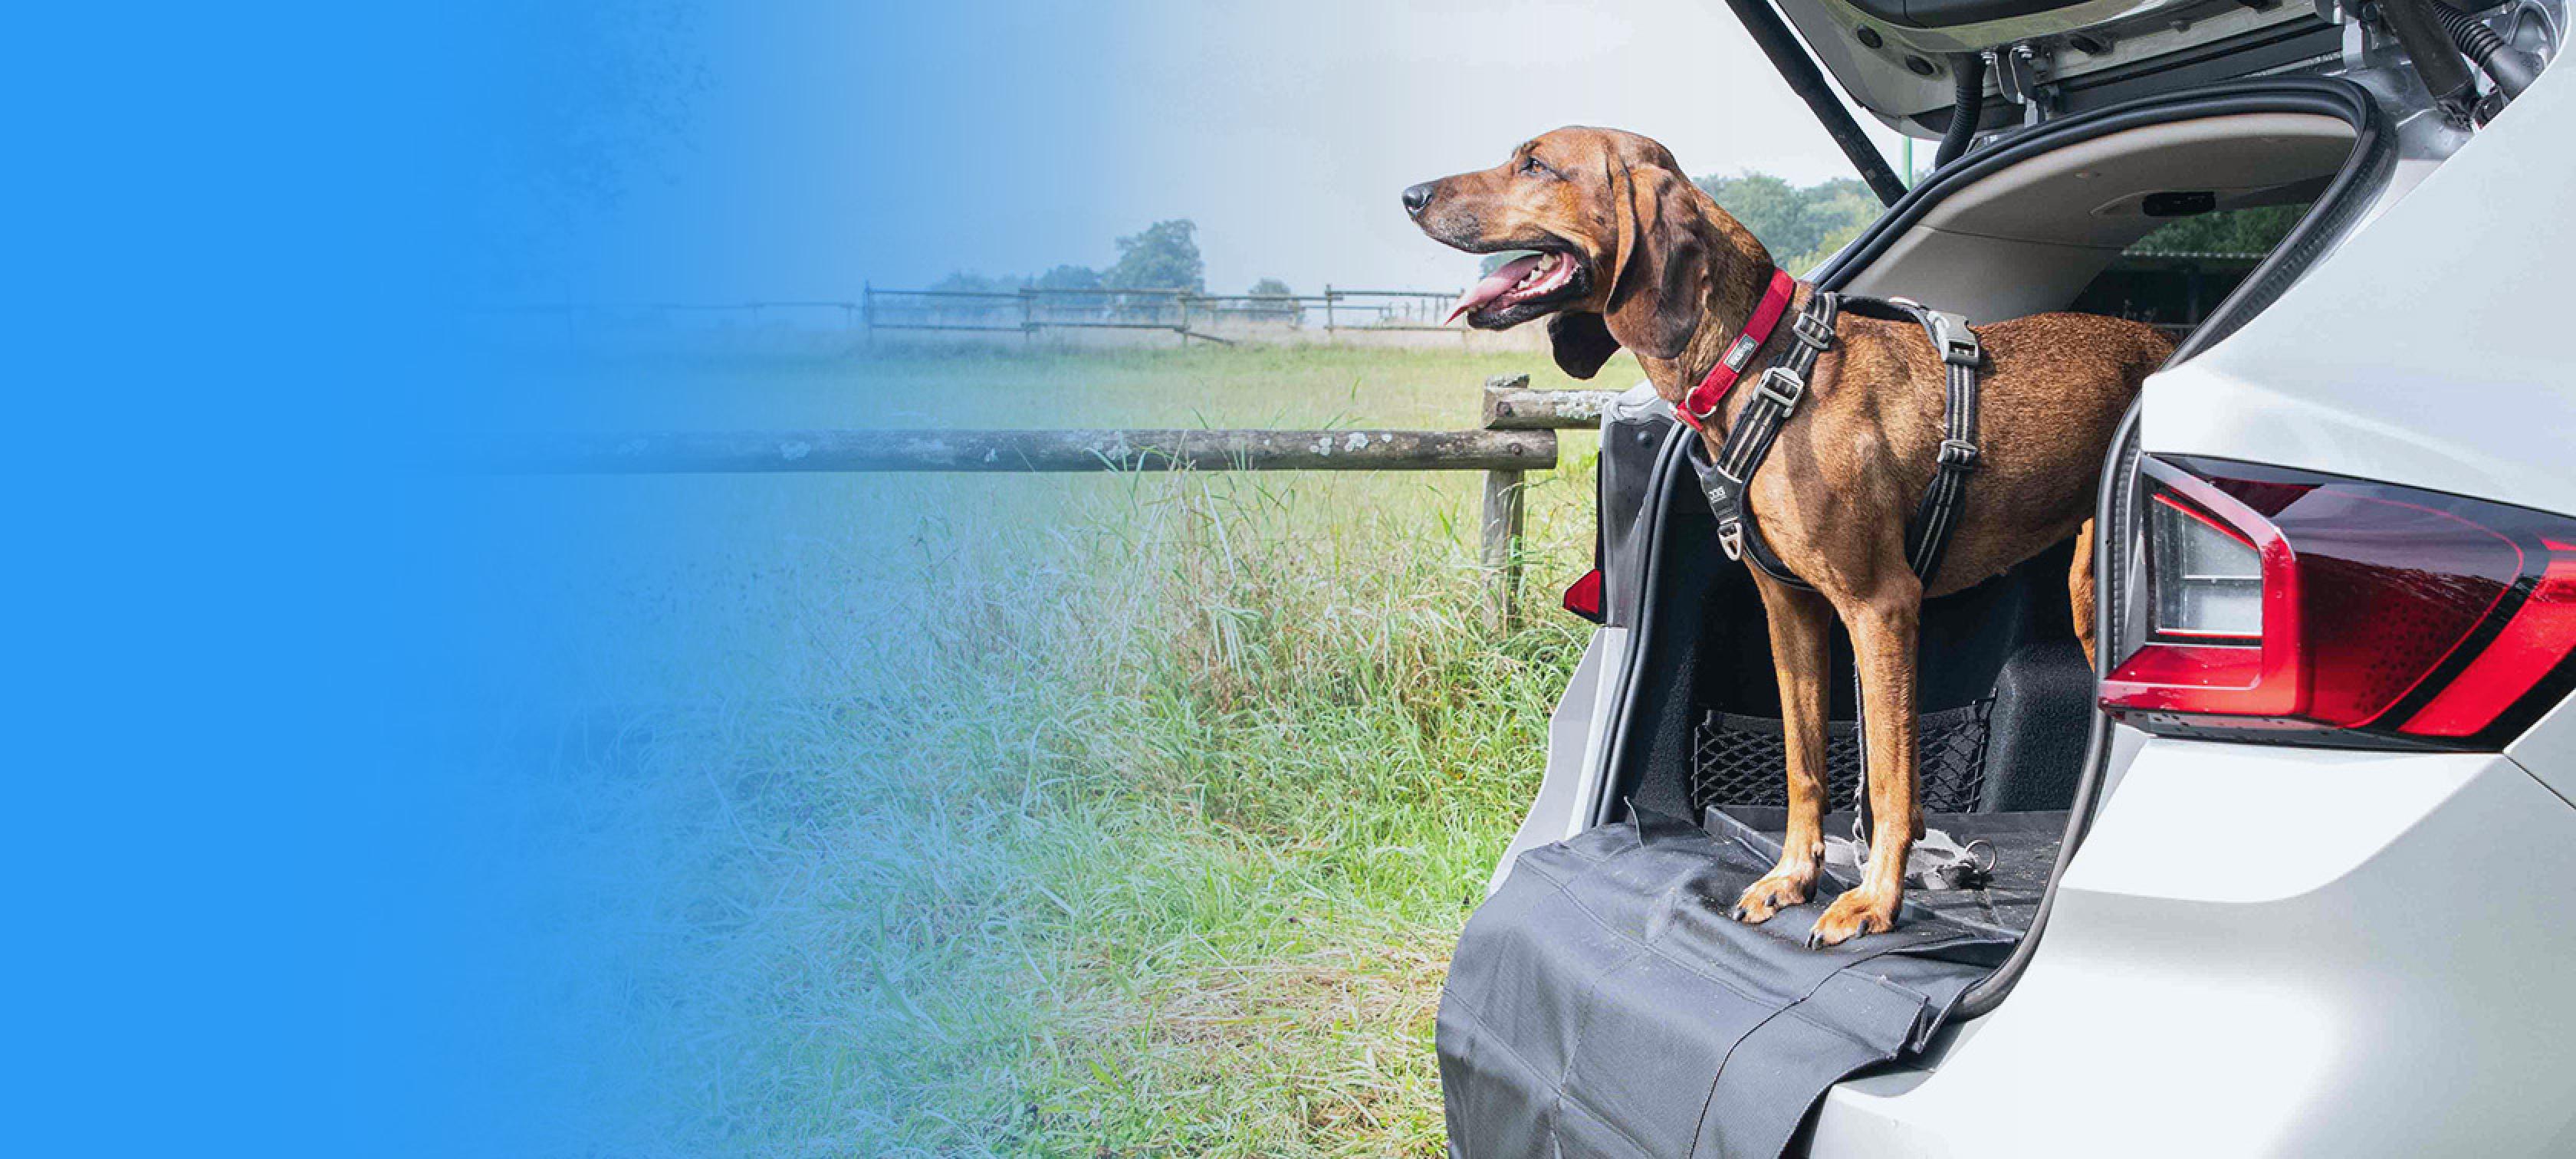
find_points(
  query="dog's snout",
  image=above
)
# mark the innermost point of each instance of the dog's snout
(1416, 199)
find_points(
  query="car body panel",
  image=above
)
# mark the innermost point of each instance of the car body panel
(1577, 734)
(2548, 750)
(2267, 950)
(2430, 349)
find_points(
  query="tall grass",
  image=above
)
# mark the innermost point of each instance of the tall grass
(1126, 815)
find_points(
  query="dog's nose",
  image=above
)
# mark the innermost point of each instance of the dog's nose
(1415, 198)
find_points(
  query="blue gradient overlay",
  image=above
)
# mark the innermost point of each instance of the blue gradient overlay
(295, 870)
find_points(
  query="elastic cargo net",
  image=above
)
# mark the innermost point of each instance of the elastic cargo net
(1742, 760)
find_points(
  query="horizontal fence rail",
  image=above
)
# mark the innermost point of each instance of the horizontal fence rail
(1058, 450)
(1518, 436)
(1510, 405)
(1032, 310)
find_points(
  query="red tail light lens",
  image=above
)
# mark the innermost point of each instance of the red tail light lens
(1584, 598)
(2310, 607)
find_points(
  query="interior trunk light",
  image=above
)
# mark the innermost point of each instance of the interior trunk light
(2309, 607)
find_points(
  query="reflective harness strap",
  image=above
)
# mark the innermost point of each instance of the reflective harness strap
(1776, 397)
(1938, 515)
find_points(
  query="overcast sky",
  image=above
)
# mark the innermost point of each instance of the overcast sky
(831, 145)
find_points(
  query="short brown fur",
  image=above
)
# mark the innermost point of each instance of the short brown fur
(1674, 279)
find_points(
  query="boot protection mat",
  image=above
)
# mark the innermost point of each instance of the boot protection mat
(1602, 1003)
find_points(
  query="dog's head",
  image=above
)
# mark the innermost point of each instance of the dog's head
(1625, 243)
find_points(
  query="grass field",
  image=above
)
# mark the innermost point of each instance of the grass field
(1040, 815)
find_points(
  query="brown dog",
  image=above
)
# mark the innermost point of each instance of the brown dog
(1634, 255)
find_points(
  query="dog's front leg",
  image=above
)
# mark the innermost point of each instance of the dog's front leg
(1800, 621)
(1883, 631)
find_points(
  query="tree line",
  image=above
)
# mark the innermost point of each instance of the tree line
(1162, 256)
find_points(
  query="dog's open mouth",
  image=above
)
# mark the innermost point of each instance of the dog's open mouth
(1522, 289)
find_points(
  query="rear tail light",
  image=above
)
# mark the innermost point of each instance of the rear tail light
(1584, 598)
(2326, 610)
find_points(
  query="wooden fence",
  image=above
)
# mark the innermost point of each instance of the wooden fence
(1517, 436)
(1030, 312)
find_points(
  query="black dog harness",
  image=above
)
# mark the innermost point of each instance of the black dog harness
(1783, 386)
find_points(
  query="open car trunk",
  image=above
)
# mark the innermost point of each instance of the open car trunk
(2043, 222)
(1627, 925)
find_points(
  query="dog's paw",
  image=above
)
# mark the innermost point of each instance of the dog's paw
(1853, 915)
(1770, 895)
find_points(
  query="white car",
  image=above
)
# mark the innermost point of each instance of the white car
(2318, 890)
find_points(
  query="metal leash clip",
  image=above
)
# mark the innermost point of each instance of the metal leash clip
(1730, 539)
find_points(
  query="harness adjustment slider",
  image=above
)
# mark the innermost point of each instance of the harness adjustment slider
(1958, 453)
(1783, 386)
(1812, 329)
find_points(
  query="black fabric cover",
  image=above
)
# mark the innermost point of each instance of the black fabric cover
(1603, 1004)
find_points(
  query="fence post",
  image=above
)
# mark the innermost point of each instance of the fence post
(868, 313)
(1328, 309)
(1028, 315)
(1499, 547)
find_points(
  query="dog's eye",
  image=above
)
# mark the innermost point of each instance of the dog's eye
(1530, 164)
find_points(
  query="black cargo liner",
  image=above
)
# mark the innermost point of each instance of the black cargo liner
(1604, 1003)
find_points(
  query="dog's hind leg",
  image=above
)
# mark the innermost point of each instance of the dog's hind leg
(1800, 622)
(1884, 628)
(2079, 590)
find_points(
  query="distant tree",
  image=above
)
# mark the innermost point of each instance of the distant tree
(964, 282)
(1086, 294)
(1163, 257)
(1071, 278)
(971, 311)
(1801, 226)
(1286, 310)
(2238, 231)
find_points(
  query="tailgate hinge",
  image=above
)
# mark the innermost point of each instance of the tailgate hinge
(2020, 74)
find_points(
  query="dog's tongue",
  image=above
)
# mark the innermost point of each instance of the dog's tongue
(1494, 286)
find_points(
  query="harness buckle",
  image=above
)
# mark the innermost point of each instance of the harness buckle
(1730, 539)
(1958, 453)
(1959, 345)
(1812, 329)
(1787, 396)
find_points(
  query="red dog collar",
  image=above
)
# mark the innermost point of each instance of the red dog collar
(1703, 400)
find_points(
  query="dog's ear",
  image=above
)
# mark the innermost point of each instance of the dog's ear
(1582, 342)
(1661, 287)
